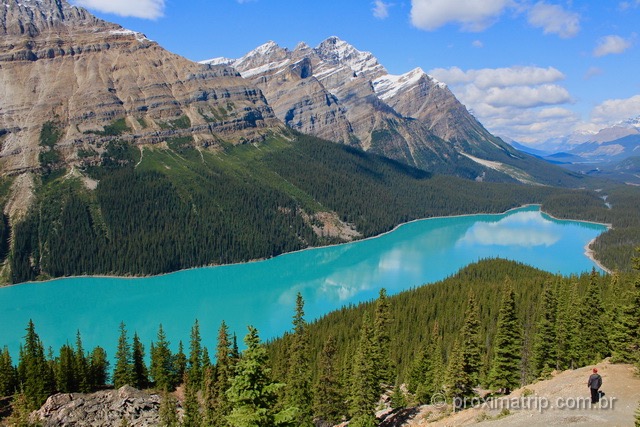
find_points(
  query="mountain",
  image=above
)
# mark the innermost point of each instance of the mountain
(72, 83)
(339, 93)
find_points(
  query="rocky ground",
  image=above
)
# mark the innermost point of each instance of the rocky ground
(560, 401)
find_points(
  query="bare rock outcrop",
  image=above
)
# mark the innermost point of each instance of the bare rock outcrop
(103, 408)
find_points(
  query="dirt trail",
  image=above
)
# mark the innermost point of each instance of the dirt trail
(560, 401)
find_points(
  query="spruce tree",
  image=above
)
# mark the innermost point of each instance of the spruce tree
(194, 368)
(458, 382)
(20, 410)
(192, 417)
(8, 375)
(625, 336)
(507, 346)
(161, 367)
(382, 340)
(253, 394)
(471, 352)
(568, 327)
(65, 372)
(545, 351)
(224, 370)
(429, 372)
(168, 410)
(328, 399)
(140, 374)
(123, 372)
(98, 368)
(35, 373)
(593, 328)
(365, 390)
(81, 367)
(179, 365)
(297, 388)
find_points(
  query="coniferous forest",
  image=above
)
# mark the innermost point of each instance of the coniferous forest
(449, 337)
(156, 210)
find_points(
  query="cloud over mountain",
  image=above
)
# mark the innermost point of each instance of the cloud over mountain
(146, 9)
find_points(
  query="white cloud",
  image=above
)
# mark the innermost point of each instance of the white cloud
(610, 45)
(553, 19)
(381, 9)
(477, 43)
(593, 72)
(472, 15)
(147, 9)
(498, 77)
(523, 103)
(625, 5)
(614, 110)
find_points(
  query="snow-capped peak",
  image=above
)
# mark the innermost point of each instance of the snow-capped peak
(335, 50)
(390, 85)
(218, 61)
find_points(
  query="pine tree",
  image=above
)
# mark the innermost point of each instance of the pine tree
(194, 368)
(253, 394)
(625, 336)
(140, 374)
(161, 368)
(458, 382)
(297, 388)
(65, 372)
(179, 365)
(328, 403)
(20, 410)
(471, 352)
(505, 370)
(167, 412)
(217, 403)
(545, 352)
(81, 367)
(35, 372)
(364, 379)
(568, 327)
(123, 372)
(8, 375)
(427, 375)
(593, 329)
(98, 368)
(192, 415)
(382, 340)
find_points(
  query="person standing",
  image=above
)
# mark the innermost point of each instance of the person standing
(594, 384)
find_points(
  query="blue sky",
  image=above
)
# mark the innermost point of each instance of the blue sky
(529, 70)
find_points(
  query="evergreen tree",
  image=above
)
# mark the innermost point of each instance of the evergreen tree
(253, 394)
(179, 365)
(382, 340)
(161, 368)
(194, 369)
(192, 417)
(545, 352)
(123, 372)
(429, 373)
(328, 399)
(625, 337)
(593, 328)
(81, 367)
(167, 412)
(98, 368)
(35, 372)
(471, 352)
(297, 388)
(458, 382)
(66, 380)
(365, 390)
(20, 411)
(217, 402)
(505, 370)
(8, 376)
(568, 327)
(140, 374)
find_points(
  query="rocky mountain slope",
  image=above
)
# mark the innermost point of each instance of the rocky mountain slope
(339, 93)
(91, 82)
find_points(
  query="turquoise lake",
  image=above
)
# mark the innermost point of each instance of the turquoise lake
(263, 293)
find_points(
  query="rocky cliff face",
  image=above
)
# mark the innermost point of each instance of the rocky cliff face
(93, 82)
(337, 92)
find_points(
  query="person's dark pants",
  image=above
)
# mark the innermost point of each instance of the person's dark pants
(595, 395)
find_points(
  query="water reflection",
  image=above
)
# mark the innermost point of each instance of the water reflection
(526, 229)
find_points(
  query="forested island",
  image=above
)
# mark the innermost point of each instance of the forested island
(449, 337)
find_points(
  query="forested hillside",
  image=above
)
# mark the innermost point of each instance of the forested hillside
(157, 209)
(496, 324)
